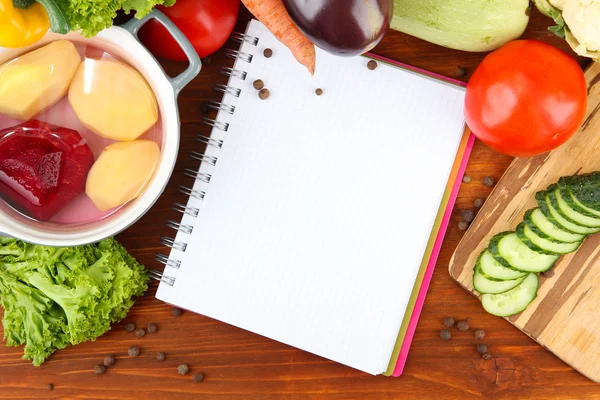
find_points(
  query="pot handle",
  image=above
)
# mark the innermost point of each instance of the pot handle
(134, 25)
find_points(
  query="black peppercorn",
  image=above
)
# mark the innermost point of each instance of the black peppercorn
(445, 334)
(479, 334)
(264, 94)
(160, 356)
(268, 53)
(468, 215)
(176, 312)
(99, 369)
(140, 332)
(152, 328)
(463, 325)
(488, 181)
(319, 91)
(129, 327)
(478, 202)
(109, 360)
(549, 273)
(258, 84)
(49, 386)
(463, 225)
(449, 322)
(466, 179)
(198, 377)
(460, 71)
(133, 351)
(481, 348)
(372, 64)
(183, 369)
(486, 356)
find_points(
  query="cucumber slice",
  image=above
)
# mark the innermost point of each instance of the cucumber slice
(494, 270)
(513, 301)
(573, 215)
(582, 206)
(585, 188)
(511, 252)
(484, 285)
(565, 194)
(541, 245)
(543, 227)
(556, 218)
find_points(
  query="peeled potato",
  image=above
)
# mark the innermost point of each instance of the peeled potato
(121, 173)
(113, 100)
(37, 79)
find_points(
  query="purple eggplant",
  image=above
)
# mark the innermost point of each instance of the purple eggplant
(342, 27)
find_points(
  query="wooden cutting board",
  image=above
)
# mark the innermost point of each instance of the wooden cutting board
(565, 316)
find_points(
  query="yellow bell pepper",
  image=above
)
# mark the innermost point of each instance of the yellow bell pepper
(19, 27)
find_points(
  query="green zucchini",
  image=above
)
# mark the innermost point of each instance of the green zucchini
(510, 251)
(470, 25)
(539, 223)
(556, 217)
(494, 270)
(483, 284)
(541, 245)
(569, 213)
(513, 301)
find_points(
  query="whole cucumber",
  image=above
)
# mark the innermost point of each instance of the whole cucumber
(470, 25)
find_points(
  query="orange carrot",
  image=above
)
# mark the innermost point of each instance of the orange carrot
(273, 14)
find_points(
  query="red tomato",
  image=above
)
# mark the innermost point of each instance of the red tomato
(206, 23)
(526, 98)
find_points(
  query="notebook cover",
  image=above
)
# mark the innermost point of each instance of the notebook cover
(415, 305)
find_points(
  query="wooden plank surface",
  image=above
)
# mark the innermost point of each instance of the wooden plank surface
(241, 365)
(563, 316)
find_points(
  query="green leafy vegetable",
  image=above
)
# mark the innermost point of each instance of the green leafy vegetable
(53, 297)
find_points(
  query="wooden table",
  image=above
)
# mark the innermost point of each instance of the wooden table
(242, 365)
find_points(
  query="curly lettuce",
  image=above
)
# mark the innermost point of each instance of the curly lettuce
(53, 297)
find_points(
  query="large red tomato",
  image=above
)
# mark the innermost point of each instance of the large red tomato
(206, 23)
(526, 98)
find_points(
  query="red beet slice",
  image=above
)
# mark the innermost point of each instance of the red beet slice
(42, 167)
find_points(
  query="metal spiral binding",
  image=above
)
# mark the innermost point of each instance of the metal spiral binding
(240, 38)
(158, 276)
(233, 72)
(203, 158)
(227, 89)
(221, 106)
(235, 54)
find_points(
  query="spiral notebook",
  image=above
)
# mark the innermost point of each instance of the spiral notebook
(315, 220)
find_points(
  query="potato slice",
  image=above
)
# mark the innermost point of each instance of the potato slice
(121, 173)
(113, 100)
(37, 80)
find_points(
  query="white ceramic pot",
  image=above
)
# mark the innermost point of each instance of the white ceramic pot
(122, 42)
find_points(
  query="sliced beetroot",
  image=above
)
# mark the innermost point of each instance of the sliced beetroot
(42, 167)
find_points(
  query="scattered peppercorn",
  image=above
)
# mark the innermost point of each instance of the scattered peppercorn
(49, 386)
(99, 369)
(468, 215)
(481, 348)
(160, 356)
(198, 377)
(319, 91)
(488, 181)
(463, 225)
(133, 351)
(372, 64)
(152, 328)
(463, 325)
(445, 334)
(466, 179)
(549, 273)
(264, 94)
(129, 327)
(478, 202)
(183, 369)
(268, 53)
(176, 312)
(460, 71)
(205, 108)
(486, 356)
(479, 334)
(109, 360)
(449, 322)
(140, 332)
(258, 84)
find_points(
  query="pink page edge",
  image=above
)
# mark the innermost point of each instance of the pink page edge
(414, 319)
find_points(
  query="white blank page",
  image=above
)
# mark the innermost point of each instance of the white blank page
(319, 209)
